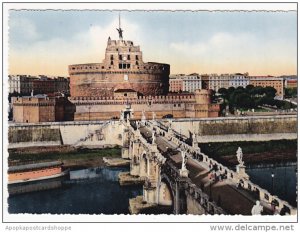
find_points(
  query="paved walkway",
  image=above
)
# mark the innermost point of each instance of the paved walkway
(233, 200)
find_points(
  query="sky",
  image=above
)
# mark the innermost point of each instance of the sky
(260, 43)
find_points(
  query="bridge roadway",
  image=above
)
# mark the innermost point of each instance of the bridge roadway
(233, 200)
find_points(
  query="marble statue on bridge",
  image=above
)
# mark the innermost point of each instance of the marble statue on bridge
(183, 171)
(153, 116)
(153, 138)
(241, 168)
(143, 119)
(239, 155)
(257, 209)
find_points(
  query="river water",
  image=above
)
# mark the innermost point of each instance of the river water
(89, 191)
(97, 191)
(284, 181)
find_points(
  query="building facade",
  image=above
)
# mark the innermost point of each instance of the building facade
(264, 81)
(20, 84)
(39, 108)
(26, 85)
(122, 68)
(197, 104)
(217, 82)
(239, 80)
(185, 83)
(176, 83)
(191, 83)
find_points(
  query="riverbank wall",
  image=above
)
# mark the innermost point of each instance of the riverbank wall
(101, 134)
(93, 134)
(229, 129)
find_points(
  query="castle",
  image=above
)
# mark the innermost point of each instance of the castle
(122, 68)
(123, 85)
(123, 82)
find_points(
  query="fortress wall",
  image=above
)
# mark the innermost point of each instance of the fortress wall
(239, 129)
(103, 84)
(104, 112)
(33, 136)
(63, 133)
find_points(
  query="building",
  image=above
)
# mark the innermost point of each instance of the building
(103, 91)
(291, 84)
(191, 83)
(202, 107)
(239, 80)
(26, 84)
(264, 81)
(176, 83)
(184, 105)
(39, 108)
(20, 84)
(122, 68)
(185, 83)
(62, 85)
(217, 82)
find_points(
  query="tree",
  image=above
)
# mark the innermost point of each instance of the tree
(243, 100)
(230, 90)
(270, 91)
(213, 95)
(223, 91)
(290, 92)
(257, 91)
(249, 87)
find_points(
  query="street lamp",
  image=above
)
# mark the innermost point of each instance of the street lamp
(210, 195)
(272, 175)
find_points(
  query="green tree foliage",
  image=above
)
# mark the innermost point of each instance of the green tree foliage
(251, 97)
(290, 92)
(270, 91)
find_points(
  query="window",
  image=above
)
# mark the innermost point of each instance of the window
(136, 57)
(111, 57)
(112, 63)
(120, 57)
(137, 63)
(120, 66)
(128, 65)
(128, 57)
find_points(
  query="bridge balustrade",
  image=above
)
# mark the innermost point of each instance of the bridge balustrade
(171, 169)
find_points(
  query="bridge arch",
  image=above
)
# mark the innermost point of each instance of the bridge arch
(166, 193)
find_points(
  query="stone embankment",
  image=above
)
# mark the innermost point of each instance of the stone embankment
(126, 179)
(136, 205)
(116, 162)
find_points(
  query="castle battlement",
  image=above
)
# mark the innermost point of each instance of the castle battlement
(122, 68)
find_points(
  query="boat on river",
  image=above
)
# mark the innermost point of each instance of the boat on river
(35, 172)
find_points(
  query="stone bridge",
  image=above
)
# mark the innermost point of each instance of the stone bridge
(199, 186)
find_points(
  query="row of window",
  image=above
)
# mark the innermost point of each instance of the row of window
(122, 57)
(112, 63)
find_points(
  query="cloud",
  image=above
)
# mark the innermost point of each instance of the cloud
(226, 52)
(53, 56)
(219, 43)
(21, 29)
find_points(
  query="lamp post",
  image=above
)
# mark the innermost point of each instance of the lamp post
(272, 175)
(210, 195)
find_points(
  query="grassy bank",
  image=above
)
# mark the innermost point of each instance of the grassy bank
(83, 156)
(254, 152)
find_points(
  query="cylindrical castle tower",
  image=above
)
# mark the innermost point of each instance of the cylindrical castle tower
(122, 68)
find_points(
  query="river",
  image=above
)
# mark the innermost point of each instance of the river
(89, 191)
(284, 181)
(97, 191)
